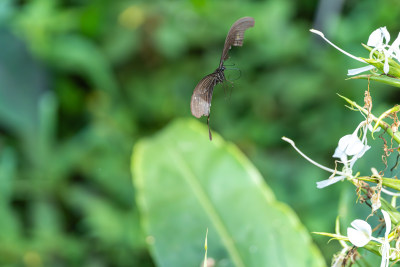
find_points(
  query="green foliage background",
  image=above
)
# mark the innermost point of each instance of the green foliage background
(82, 81)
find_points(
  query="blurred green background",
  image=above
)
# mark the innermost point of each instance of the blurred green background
(82, 81)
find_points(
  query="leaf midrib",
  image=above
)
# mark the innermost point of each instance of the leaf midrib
(206, 203)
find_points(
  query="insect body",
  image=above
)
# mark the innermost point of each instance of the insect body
(202, 94)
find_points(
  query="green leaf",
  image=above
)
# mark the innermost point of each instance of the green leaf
(70, 53)
(186, 184)
(389, 182)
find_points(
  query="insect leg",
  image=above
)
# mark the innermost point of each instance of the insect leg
(209, 130)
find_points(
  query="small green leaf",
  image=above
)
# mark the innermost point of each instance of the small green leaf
(389, 182)
(186, 184)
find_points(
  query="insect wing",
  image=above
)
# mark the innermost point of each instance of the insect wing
(235, 36)
(202, 94)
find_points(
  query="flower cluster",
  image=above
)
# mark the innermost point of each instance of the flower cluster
(379, 41)
(353, 146)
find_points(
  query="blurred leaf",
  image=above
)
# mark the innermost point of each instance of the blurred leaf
(7, 9)
(8, 167)
(40, 21)
(186, 184)
(47, 220)
(104, 219)
(22, 81)
(51, 32)
(9, 222)
(47, 113)
(71, 53)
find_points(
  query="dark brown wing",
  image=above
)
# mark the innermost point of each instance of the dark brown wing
(235, 36)
(202, 94)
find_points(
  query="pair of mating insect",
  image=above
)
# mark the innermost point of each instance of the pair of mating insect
(202, 94)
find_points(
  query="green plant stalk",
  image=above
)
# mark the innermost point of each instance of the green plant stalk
(386, 127)
(378, 78)
(389, 182)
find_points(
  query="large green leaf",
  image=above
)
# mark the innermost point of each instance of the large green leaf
(186, 184)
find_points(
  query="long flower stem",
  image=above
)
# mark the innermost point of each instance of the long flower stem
(290, 141)
(335, 46)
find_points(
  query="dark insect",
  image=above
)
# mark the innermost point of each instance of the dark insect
(202, 94)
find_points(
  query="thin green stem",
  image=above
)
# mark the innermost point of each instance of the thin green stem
(385, 126)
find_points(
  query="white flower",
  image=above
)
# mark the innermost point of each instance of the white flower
(376, 40)
(361, 233)
(349, 146)
(394, 49)
(379, 40)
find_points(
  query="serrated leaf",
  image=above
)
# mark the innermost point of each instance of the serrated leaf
(186, 184)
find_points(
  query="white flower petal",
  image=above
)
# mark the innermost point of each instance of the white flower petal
(394, 49)
(345, 141)
(385, 251)
(356, 71)
(350, 145)
(386, 64)
(327, 182)
(375, 38)
(338, 153)
(362, 152)
(362, 225)
(354, 147)
(359, 155)
(385, 34)
(386, 67)
(357, 238)
(370, 128)
(388, 222)
(360, 235)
